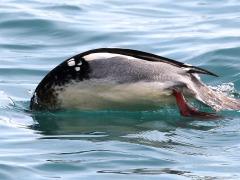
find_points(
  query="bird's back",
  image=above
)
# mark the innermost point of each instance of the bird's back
(125, 70)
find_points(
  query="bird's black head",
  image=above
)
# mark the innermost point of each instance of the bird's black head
(72, 69)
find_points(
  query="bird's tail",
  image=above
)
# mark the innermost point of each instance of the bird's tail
(216, 100)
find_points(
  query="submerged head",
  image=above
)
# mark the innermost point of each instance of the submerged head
(73, 69)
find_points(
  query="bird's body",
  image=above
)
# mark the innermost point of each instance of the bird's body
(121, 83)
(113, 78)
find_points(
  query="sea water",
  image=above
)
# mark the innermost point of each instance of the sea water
(37, 35)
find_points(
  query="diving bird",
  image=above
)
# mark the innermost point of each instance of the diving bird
(116, 78)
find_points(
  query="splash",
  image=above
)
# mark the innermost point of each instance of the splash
(223, 97)
(225, 88)
(5, 100)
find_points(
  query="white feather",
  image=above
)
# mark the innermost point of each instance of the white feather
(95, 94)
(94, 56)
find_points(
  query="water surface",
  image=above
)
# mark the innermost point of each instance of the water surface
(35, 36)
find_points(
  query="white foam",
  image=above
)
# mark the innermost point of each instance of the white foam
(226, 88)
(5, 100)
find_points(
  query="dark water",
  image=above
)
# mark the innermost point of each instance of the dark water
(35, 36)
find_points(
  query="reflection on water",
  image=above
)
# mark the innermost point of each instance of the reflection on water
(119, 122)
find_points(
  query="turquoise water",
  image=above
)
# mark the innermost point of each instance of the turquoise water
(35, 36)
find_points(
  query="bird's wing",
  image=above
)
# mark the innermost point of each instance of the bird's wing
(148, 57)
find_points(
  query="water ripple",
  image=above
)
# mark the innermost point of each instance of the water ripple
(38, 35)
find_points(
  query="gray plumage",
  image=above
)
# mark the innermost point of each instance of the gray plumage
(125, 70)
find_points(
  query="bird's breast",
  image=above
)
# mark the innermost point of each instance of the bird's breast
(106, 94)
